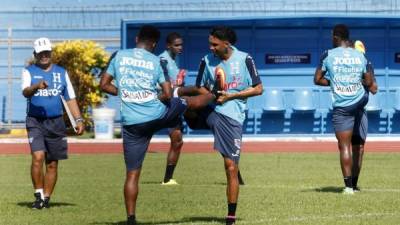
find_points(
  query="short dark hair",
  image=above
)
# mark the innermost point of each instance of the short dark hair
(149, 33)
(341, 31)
(224, 33)
(171, 37)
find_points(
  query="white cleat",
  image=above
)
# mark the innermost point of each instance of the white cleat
(170, 182)
(348, 191)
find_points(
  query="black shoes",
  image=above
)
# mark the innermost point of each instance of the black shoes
(38, 203)
(131, 220)
(46, 202)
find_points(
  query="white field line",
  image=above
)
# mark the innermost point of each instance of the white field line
(210, 139)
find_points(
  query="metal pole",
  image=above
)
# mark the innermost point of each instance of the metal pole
(9, 78)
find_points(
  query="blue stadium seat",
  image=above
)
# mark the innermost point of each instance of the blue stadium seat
(303, 100)
(273, 100)
(373, 103)
(396, 105)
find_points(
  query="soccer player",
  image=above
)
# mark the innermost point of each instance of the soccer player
(358, 146)
(348, 73)
(225, 118)
(42, 84)
(137, 72)
(176, 75)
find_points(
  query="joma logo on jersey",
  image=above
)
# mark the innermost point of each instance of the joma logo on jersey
(47, 92)
(137, 63)
(347, 61)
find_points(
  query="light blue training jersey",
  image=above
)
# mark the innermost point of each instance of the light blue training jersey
(345, 68)
(137, 73)
(172, 65)
(241, 73)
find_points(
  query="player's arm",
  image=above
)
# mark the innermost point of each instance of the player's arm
(164, 82)
(69, 95)
(256, 87)
(29, 90)
(107, 77)
(106, 84)
(249, 92)
(319, 76)
(373, 87)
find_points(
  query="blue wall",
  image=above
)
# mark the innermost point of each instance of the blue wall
(290, 36)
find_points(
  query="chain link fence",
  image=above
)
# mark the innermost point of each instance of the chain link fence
(112, 14)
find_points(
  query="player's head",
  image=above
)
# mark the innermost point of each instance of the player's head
(174, 43)
(221, 38)
(148, 36)
(42, 51)
(340, 33)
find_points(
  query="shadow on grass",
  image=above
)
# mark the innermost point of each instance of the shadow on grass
(329, 189)
(159, 183)
(184, 220)
(52, 204)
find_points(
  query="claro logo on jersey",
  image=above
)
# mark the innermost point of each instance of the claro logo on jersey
(128, 61)
(47, 92)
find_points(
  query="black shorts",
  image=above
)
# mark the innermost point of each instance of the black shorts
(227, 131)
(48, 135)
(354, 118)
(136, 137)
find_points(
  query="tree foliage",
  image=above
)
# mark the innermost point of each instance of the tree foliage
(83, 60)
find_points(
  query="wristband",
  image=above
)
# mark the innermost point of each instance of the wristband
(80, 119)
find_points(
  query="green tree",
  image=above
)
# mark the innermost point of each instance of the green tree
(83, 60)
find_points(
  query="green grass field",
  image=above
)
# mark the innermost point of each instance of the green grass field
(281, 188)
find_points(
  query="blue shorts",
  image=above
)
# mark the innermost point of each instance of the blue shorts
(354, 118)
(227, 131)
(48, 135)
(136, 137)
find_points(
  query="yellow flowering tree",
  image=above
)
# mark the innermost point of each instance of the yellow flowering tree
(83, 60)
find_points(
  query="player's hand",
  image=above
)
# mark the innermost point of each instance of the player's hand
(80, 127)
(223, 97)
(42, 84)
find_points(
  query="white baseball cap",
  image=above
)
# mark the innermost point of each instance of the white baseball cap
(42, 44)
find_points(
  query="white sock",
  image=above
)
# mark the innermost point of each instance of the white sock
(175, 95)
(40, 190)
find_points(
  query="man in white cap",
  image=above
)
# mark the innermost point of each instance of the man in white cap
(43, 84)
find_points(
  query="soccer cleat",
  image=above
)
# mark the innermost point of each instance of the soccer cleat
(131, 220)
(170, 182)
(38, 203)
(180, 78)
(348, 191)
(230, 220)
(356, 189)
(46, 202)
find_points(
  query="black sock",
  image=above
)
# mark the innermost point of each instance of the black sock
(169, 171)
(348, 181)
(232, 209)
(355, 181)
